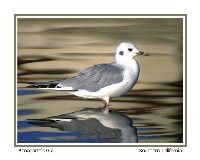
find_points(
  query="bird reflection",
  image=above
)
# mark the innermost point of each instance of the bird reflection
(94, 123)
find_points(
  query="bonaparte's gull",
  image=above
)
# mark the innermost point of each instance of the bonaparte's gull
(103, 81)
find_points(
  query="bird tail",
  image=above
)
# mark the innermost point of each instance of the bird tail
(51, 85)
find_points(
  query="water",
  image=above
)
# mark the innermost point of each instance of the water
(54, 49)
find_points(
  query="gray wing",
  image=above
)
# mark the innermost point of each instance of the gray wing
(96, 77)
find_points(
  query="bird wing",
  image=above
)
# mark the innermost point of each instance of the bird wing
(94, 78)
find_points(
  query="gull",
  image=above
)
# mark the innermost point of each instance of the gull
(103, 81)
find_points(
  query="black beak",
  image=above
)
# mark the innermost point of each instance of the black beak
(143, 53)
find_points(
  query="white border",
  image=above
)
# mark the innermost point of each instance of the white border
(99, 16)
(107, 144)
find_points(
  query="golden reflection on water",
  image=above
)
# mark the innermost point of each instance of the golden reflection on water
(53, 49)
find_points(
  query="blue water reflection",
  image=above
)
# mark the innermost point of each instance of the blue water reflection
(27, 92)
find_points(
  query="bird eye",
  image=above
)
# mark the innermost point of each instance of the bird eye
(130, 49)
(121, 53)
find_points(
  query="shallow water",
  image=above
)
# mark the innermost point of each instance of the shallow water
(54, 49)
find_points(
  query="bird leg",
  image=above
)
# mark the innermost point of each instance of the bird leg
(106, 104)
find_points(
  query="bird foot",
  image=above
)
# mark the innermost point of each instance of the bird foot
(106, 105)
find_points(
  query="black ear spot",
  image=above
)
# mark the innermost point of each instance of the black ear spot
(121, 53)
(130, 49)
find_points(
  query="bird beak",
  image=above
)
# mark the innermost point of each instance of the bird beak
(142, 53)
